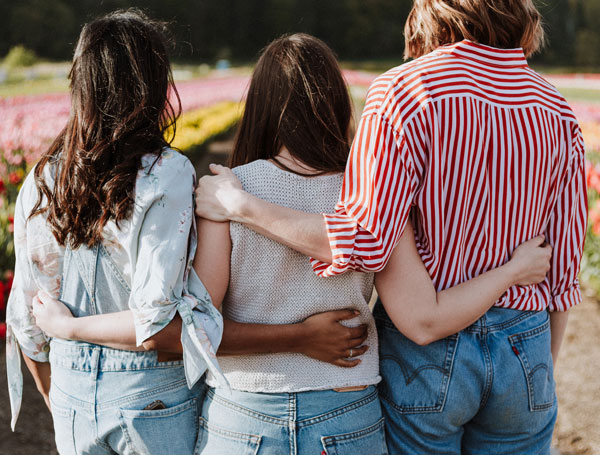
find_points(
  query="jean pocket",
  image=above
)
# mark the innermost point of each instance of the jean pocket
(64, 429)
(369, 440)
(415, 378)
(213, 440)
(160, 431)
(533, 350)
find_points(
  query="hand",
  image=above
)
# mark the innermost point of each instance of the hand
(329, 341)
(52, 316)
(219, 197)
(531, 261)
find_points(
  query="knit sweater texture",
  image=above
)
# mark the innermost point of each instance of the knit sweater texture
(273, 284)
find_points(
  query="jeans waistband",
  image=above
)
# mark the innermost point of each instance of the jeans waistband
(497, 319)
(80, 356)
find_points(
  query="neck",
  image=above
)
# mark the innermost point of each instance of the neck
(285, 157)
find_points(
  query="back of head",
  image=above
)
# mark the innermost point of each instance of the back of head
(297, 99)
(120, 110)
(504, 24)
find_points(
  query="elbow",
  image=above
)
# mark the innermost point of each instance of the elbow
(423, 333)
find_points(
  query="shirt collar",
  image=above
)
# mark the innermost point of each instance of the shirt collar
(486, 55)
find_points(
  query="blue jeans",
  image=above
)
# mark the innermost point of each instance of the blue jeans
(487, 390)
(304, 423)
(98, 396)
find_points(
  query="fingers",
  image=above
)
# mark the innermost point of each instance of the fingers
(538, 240)
(345, 363)
(218, 169)
(360, 331)
(343, 315)
(357, 352)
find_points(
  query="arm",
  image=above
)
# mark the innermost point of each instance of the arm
(320, 336)
(378, 189)
(221, 198)
(558, 327)
(424, 315)
(41, 375)
(567, 226)
(37, 266)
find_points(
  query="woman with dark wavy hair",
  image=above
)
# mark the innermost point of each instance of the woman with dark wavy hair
(105, 223)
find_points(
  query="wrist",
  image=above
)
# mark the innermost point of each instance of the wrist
(298, 334)
(512, 273)
(242, 207)
(69, 328)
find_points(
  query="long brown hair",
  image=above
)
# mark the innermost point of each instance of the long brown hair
(120, 110)
(503, 24)
(297, 99)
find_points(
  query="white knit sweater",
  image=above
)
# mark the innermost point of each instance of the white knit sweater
(273, 284)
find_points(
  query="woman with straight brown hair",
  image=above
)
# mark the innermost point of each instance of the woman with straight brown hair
(480, 153)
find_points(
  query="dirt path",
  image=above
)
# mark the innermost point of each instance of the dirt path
(578, 382)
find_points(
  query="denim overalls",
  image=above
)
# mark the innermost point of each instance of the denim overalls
(98, 394)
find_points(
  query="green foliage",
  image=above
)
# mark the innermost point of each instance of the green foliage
(238, 29)
(19, 56)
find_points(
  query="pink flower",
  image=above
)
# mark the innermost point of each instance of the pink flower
(2, 329)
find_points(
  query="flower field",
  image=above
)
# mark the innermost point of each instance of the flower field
(212, 106)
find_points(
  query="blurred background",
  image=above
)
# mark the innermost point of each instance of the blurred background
(216, 43)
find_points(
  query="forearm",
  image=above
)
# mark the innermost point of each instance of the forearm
(114, 330)
(558, 326)
(41, 375)
(425, 316)
(240, 338)
(460, 306)
(303, 232)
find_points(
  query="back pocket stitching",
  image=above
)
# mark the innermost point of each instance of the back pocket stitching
(242, 437)
(517, 339)
(329, 441)
(180, 408)
(451, 348)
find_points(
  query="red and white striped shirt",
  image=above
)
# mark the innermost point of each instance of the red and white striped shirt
(485, 152)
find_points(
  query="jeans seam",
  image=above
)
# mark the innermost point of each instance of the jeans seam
(489, 372)
(246, 411)
(228, 433)
(339, 411)
(523, 336)
(114, 269)
(326, 440)
(147, 393)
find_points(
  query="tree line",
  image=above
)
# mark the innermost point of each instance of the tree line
(208, 30)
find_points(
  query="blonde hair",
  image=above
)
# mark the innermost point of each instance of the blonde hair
(504, 24)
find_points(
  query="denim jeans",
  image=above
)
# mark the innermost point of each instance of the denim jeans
(487, 390)
(98, 396)
(304, 423)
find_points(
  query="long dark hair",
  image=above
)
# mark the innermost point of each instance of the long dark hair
(120, 110)
(297, 99)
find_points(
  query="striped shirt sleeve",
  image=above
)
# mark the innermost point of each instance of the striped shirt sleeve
(567, 228)
(376, 197)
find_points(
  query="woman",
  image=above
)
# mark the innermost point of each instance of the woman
(291, 149)
(90, 228)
